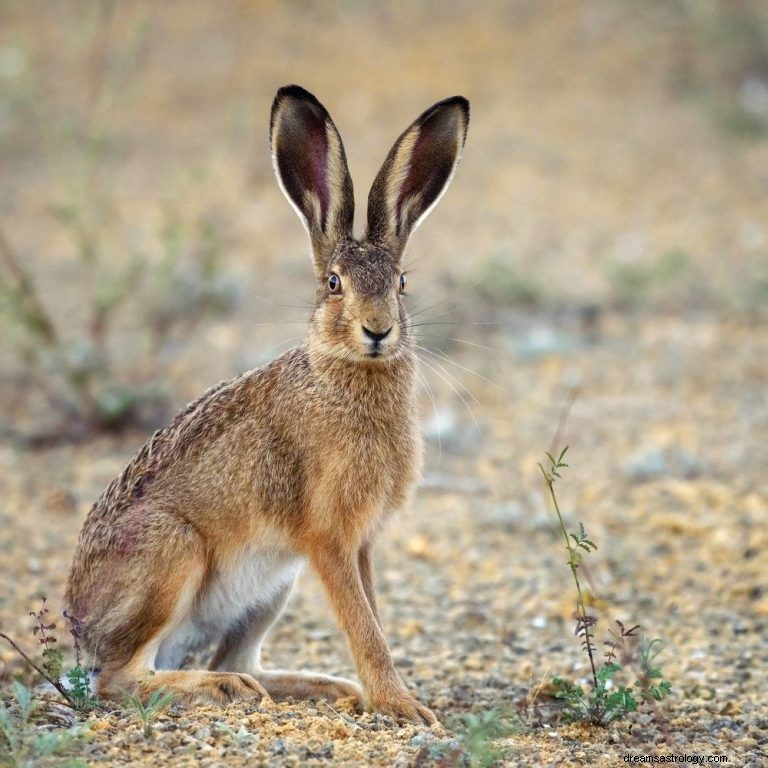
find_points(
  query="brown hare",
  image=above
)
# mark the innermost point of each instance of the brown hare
(202, 535)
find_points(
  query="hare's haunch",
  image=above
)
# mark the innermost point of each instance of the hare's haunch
(200, 538)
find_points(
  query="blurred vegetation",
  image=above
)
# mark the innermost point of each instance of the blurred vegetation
(23, 743)
(634, 284)
(499, 281)
(91, 379)
(721, 59)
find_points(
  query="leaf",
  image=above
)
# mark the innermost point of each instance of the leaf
(23, 697)
(607, 671)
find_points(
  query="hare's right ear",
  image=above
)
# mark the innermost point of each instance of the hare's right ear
(416, 172)
(311, 168)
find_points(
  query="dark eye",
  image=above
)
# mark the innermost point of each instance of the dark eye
(334, 283)
(402, 283)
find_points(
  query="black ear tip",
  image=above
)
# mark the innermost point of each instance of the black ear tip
(445, 107)
(295, 92)
(461, 103)
(301, 99)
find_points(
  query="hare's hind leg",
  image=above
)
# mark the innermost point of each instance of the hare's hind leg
(132, 638)
(240, 650)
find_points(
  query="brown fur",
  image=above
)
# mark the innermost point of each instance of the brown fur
(304, 457)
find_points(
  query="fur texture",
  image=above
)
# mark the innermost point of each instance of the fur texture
(200, 538)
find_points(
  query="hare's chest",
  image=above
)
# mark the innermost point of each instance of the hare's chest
(367, 475)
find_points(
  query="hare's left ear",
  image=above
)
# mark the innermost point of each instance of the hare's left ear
(311, 168)
(416, 172)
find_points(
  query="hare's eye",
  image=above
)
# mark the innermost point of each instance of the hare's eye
(402, 283)
(334, 283)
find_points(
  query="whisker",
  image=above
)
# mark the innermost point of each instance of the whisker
(458, 381)
(419, 305)
(420, 325)
(280, 344)
(448, 359)
(306, 305)
(460, 341)
(451, 295)
(448, 382)
(431, 396)
(280, 322)
(433, 314)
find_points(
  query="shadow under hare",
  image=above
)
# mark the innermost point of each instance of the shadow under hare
(201, 537)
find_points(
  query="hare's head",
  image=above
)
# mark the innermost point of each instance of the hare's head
(360, 314)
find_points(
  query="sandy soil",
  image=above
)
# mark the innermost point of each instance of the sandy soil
(584, 167)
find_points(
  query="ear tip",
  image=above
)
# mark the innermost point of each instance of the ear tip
(444, 106)
(462, 103)
(295, 92)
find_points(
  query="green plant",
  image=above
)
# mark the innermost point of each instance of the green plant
(78, 695)
(650, 681)
(574, 543)
(600, 705)
(156, 703)
(53, 657)
(22, 744)
(473, 746)
(603, 703)
(78, 676)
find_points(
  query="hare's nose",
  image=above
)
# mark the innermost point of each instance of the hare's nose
(376, 337)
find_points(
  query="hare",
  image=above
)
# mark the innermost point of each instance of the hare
(201, 537)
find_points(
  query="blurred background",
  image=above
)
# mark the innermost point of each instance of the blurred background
(598, 269)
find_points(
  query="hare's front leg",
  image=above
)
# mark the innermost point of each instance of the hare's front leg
(366, 576)
(385, 691)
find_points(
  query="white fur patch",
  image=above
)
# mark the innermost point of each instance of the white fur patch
(254, 579)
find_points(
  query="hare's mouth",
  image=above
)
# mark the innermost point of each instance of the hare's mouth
(378, 343)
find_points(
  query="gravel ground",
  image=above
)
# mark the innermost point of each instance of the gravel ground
(581, 165)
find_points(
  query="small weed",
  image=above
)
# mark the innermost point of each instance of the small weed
(650, 681)
(156, 703)
(23, 744)
(604, 702)
(473, 746)
(53, 657)
(78, 677)
(78, 695)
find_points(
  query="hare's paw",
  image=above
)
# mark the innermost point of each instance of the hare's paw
(338, 688)
(405, 709)
(226, 687)
(198, 687)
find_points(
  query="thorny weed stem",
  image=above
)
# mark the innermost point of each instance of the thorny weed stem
(574, 558)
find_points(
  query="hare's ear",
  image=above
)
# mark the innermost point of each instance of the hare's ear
(416, 172)
(311, 169)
